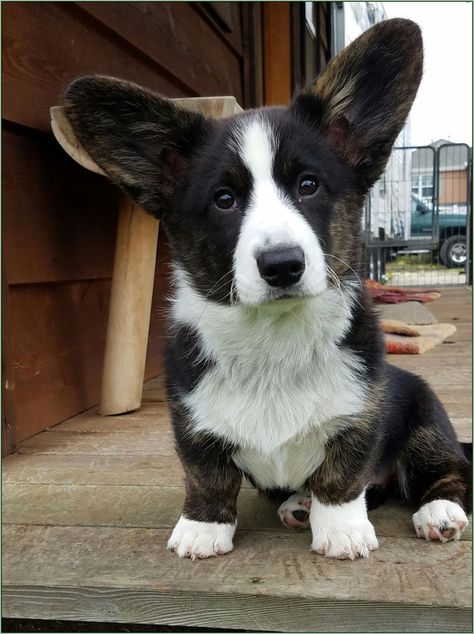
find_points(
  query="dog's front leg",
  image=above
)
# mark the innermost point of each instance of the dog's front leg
(338, 516)
(209, 518)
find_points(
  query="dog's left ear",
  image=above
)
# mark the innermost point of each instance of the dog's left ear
(363, 97)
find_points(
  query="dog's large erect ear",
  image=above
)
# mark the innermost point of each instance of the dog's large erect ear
(363, 97)
(140, 140)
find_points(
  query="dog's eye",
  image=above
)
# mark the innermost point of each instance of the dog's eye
(224, 200)
(308, 186)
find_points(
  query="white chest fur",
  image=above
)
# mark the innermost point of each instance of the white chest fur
(279, 386)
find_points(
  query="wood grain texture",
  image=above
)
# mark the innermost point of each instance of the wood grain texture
(128, 322)
(38, 63)
(397, 581)
(208, 610)
(448, 366)
(175, 53)
(253, 613)
(147, 506)
(58, 335)
(57, 346)
(89, 505)
(291, 571)
(154, 389)
(277, 53)
(62, 225)
(226, 20)
(132, 442)
(176, 38)
(87, 469)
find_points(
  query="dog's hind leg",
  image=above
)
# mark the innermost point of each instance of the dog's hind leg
(434, 474)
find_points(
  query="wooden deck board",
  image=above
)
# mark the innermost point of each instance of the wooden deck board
(89, 504)
(448, 366)
(157, 507)
(135, 561)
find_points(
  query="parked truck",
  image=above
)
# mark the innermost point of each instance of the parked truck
(452, 223)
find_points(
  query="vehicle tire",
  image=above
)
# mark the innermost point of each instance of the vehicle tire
(453, 252)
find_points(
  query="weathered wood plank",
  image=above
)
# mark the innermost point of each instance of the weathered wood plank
(92, 469)
(107, 561)
(154, 390)
(134, 442)
(158, 507)
(77, 469)
(463, 428)
(152, 416)
(208, 610)
(402, 571)
(448, 367)
(123, 506)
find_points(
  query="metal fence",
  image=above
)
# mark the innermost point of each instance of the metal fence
(417, 221)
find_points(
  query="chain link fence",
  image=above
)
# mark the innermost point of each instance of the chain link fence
(417, 221)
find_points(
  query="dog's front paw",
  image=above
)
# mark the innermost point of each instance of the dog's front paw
(342, 531)
(440, 520)
(345, 541)
(199, 540)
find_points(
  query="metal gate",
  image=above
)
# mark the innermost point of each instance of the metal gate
(417, 221)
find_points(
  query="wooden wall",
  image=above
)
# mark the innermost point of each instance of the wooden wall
(59, 220)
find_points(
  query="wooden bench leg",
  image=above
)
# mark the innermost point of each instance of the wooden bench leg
(130, 308)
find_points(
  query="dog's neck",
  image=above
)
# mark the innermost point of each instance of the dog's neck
(285, 331)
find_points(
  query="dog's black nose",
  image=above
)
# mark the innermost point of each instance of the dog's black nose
(282, 266)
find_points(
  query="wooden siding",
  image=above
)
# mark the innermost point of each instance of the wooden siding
(59, 221)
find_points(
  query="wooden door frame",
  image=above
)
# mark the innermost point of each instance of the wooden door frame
(284, 47)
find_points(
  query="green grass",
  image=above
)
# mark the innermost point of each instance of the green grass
(417, 262)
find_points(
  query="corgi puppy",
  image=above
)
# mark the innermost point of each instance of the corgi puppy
(275, 361)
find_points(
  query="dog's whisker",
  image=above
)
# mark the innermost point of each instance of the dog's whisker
(330, 255)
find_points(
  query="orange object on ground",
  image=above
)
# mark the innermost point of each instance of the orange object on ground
(429, 337)
(393, 294)
(398, 328)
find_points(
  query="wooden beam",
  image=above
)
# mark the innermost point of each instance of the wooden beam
(277, 54)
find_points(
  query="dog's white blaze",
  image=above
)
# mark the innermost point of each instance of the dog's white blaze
(271, 219)
(279, 386)
(342, 530)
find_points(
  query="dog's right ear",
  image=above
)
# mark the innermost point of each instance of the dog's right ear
(142, 141)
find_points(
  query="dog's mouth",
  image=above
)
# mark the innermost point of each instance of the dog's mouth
(283, 300)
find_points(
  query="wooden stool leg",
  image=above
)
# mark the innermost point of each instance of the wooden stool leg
(129, 312)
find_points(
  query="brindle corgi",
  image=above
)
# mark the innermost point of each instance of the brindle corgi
(275, 362)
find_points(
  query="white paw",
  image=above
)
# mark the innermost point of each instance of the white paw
(294, 512)
(199, 540)
(440, 519)
(342, 531)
